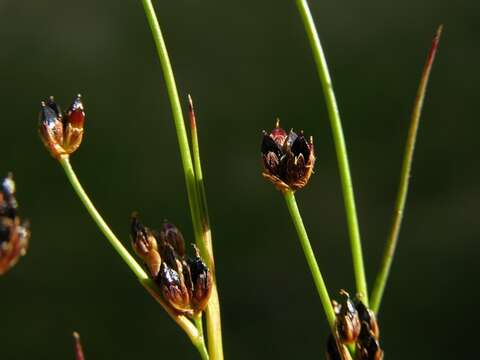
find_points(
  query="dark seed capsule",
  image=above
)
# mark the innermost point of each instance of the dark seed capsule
(145, 246)
(287, 159)
(171, 235)
(348, 323)
(174, 289)
(201, 281)
(367, 318)
(368, 347)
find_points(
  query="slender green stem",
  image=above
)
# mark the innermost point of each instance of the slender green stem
(202, 349)
(214, 325)
(141, 275)
(310, 256)
(202, 237)
(392, 240)
(340, 147)
(178, 119)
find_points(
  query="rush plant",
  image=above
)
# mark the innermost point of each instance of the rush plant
(185, 285)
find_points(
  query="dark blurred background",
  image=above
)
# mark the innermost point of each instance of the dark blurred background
(245, 62)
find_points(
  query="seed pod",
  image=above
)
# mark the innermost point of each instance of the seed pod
(348, 323)
(367, 317)
(145, 245)
(287, 159)
(173, 288)
(61, 134)
(368, 347)
(201, 280)
(171, 235)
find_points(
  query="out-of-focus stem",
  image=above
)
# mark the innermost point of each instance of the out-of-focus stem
(340, 147)
(388, 254)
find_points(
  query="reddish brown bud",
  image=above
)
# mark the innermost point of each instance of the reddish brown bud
(61, 134)
(171, 235)
(14, 235)
(145, 245)
(287, 159)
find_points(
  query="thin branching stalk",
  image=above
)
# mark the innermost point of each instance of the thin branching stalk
(141, 275)
(202, 238)
(310, 256)
(340, 147)
(388, 254)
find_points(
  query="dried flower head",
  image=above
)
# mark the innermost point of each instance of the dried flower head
(14, 234)
(185, 282)
(61, 133)
(288, 159)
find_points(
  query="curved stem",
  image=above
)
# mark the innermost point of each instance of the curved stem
(202, 237)
(141, 275)
(310, 256)
(340, 147)
(389, 252)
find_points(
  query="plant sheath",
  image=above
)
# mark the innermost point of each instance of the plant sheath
(340, 147)
(388, 254)
(310, 256)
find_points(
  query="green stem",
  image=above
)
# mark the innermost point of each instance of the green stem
(310, 256)
(202, 349)
(141, 275)
(389, 252)
(178, 119)
(336, 125)
(202, 238)
(214, 325)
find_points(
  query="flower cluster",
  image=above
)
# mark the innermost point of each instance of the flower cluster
(288, 159)
(355, 324)
(14, 234)
(185, 282)
(61, 133)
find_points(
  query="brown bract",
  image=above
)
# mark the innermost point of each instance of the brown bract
(288, 159)
(61, 133)
(14, 233)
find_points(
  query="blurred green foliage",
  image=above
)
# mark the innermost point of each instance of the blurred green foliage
(244, 62)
